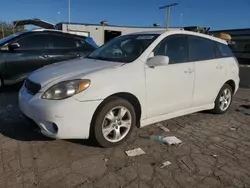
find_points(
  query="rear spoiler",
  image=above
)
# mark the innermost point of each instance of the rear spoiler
(36, 22)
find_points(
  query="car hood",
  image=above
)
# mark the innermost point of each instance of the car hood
(71, 69)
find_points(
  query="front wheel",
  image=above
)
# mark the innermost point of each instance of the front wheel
(113, 122)
(223, 100)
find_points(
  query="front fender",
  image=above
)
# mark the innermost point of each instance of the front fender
(124, 79)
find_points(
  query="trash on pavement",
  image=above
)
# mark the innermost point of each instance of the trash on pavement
(233, 128)
(135, 152)
(172, 140)
(162, 127)
(186, 164)
(107, 159)
(164, 164)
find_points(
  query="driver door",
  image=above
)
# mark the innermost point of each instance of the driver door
(170, 88)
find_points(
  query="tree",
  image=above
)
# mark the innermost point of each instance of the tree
(7, 29)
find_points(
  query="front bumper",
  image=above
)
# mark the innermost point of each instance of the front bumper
(62, 119)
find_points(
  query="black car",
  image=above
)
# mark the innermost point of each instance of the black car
(24, 52)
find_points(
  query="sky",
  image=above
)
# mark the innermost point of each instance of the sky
(217, 14)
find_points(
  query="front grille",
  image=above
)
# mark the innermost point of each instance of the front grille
(32, 88)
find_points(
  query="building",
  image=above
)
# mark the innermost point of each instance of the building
(101, 34)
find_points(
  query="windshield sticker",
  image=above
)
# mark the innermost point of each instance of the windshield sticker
(145, 37)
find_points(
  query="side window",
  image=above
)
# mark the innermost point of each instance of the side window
(175, 47)
(60, 41)
(34, 41)
(224, 50)
(201, 49)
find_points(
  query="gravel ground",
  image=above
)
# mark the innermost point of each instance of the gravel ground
(215, 153)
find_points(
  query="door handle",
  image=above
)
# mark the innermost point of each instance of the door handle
(44, 56)
(219, 67)
(189, 71)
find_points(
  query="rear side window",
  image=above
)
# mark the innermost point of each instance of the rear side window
(58, 41)
(224, 50)
(175, 47)
(201, 49)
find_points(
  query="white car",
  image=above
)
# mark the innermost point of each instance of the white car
(135, 79)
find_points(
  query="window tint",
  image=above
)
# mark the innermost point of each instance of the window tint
(175, 47)
(201, 48)
(224, 50)
(58, 41)
(35, 41)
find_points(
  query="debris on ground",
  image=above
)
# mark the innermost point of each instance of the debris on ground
(186, 164)
(244, 109)
(172, 140)
(164, 164)
(135, 152)
(162, 127)
(106, 159)
(233, 128)
(214, 156)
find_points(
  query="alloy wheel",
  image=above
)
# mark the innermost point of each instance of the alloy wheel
(225, 99)
(116, 124)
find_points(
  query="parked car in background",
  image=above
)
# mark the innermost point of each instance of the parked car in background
(24, 52)
(137, 79)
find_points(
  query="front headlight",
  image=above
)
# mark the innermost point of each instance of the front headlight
(66, 89)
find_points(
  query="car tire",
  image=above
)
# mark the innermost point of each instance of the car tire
(223, 100)
(113, 122)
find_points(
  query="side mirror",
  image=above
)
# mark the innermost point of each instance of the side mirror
(157, 61)
(13, 46)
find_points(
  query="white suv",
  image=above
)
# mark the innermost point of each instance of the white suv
(135, 79)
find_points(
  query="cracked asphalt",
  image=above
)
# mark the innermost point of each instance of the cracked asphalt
(215, 153)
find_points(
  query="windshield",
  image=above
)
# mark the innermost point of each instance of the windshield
(124, 49)
(6, 39)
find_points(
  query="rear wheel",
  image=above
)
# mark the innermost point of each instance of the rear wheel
(113, 122)
(223, 100)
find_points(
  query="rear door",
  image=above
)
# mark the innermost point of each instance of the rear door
(22, 61)
(210, 71)
(63, 47)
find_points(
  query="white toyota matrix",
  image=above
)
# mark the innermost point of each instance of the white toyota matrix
(136, 79)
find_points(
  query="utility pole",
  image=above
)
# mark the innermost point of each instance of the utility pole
(167, 7)
(58, 17)
(181, 21)
(69, 14)
(103, 23)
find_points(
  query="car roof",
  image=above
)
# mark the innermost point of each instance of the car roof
(181, 31)
(55, 31)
